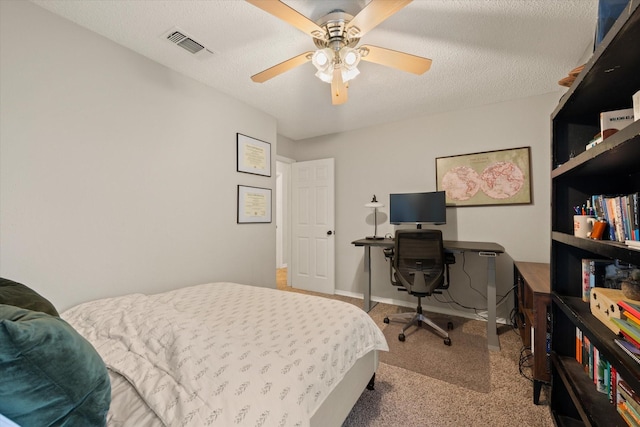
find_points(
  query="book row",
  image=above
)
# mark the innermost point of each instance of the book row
(607, 380)
(621, 215)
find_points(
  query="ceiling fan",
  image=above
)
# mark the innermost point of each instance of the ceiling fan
(336, 36)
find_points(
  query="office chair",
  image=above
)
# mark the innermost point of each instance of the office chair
(418, 266)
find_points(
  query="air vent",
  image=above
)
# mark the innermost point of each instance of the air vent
(180, 38)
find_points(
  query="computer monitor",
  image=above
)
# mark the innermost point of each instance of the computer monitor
(418, 208)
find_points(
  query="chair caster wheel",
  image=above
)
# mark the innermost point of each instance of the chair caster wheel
(401, 337)
(447, 341)
(450, 326)
(386, 320)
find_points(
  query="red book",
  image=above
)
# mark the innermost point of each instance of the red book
(629, 338)
(630, 307)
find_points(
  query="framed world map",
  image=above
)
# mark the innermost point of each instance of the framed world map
(501, 177)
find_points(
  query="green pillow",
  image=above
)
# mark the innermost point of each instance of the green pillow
(51, 375)
(14, 293)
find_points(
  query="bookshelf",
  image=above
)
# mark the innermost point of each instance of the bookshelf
(533, 300)
(608, 81)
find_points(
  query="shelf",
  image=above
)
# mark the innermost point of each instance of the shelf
(610, 77)
(602, 248)
(594, 407)
(617, 154)
(579, 313)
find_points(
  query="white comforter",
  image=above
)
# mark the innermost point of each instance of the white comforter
(224, 354)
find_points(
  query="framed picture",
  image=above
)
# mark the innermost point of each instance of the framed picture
(254, 156)
(254, 204)
(501, 177)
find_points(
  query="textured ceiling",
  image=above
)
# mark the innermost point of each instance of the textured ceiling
(483, 51)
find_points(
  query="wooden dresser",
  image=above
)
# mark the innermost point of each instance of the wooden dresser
(532, 280)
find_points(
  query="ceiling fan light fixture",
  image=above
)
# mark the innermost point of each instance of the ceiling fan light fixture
(325, 76)
(349, 74)
(350, 57)
(349, 60)
(322, 59)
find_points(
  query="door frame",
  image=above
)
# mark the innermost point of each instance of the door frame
(283, 207)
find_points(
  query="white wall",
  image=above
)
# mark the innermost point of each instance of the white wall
(117, 174)
(400, 157)
(286, 147)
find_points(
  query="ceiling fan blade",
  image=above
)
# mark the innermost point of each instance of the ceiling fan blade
(392, 58)
(290, 16)
(276, 70)
(339, 93)
(373, 14)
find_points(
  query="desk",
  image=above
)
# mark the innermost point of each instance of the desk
(484, 249)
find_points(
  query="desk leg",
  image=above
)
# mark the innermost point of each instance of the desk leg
(492, 330)
(368, 304)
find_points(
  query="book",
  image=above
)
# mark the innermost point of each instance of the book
(629, 348)
(624, 209)
(616, 119)
(618, 221)
(586, 288)
(596, 202)
(610, 211)
(630, 308)
(596, 368)
(590, 357)
(627, 329)
(625, 412)
(635, 216)
(630, 339)
(578, 345)
(602, 378)
(631, 318)
(613, 385)
(628, 393)
(593, 275)
(633, 412)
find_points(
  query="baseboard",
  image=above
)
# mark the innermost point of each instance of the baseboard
(482, 315)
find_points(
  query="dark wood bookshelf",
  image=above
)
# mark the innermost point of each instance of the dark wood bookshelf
(607, 82)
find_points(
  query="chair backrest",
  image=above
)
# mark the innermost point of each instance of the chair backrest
(419, 260)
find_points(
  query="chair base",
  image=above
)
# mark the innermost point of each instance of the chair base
(418, 319)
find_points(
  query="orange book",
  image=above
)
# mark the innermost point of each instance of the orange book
(628, 414)
(578, 345)
(631, 318)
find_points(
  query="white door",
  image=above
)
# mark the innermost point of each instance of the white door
(312, 218)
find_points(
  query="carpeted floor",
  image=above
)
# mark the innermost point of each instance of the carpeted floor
(424, 352)
(453, 389)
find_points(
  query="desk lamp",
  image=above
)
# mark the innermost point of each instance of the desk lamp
(375, 204)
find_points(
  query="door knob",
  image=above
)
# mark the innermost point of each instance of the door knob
(329, 233)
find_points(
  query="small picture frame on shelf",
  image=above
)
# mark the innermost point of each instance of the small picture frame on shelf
(253, 155)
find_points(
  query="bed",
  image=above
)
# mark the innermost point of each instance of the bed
(226, 354)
